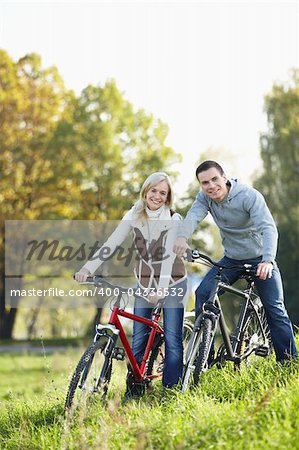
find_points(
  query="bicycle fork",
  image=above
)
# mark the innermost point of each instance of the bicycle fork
(110, 333)
(110, 349)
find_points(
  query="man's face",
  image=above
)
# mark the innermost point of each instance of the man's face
(213, 184)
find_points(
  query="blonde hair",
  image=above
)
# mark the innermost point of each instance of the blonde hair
(151, 181)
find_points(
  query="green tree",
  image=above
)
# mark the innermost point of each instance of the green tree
(105, 149)
(279, 182)
(30, 106)
(68, 157)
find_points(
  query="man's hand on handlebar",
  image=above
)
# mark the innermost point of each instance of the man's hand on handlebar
(264, 270)
(82, 275)
(180, 246)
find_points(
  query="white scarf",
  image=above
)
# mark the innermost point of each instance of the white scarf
(155, 214)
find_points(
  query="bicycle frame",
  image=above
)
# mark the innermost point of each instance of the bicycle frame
(212, 309)
(115, 326)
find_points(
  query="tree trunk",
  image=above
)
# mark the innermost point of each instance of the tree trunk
(7, 321)
(7, 314)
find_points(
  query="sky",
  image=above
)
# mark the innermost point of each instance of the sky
(201, 67)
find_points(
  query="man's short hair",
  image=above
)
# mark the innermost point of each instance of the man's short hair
(206, 165)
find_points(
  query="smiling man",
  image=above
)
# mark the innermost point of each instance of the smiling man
(249, 236)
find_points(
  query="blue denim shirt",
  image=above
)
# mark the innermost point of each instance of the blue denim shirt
(246, 225)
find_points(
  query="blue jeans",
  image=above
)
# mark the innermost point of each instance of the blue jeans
(173, 317)
(271, 295)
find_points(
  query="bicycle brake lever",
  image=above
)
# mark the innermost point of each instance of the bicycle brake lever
(195, 254)
(189, 255)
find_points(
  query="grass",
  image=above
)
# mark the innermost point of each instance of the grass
(254, 408)
(73, 342)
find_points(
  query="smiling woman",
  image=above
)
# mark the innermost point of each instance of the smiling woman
(157, 195)
(154, 226)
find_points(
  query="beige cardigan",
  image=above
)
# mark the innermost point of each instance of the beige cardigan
(159, 230)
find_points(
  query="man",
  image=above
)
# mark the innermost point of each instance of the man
(249, 235)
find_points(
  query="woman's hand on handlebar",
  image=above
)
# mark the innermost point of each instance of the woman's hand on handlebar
(180, 246)
(82, 275)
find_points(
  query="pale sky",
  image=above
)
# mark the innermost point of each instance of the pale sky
(202, 67)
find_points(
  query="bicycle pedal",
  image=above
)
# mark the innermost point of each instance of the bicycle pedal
(262, 351)
(118, 354)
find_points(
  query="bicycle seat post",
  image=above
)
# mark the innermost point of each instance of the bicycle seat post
(156, 312)
(249, 277)
(218, 274)
(117, 302)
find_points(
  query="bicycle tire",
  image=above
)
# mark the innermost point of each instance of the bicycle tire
(197, 354)
(255, 338)
(201, 361)
(82, 375)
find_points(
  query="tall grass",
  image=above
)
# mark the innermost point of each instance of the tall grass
(256, 407)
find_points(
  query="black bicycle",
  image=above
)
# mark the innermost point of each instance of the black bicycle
(251, 335)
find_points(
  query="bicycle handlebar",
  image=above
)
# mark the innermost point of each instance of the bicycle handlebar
(98, 280)
(194, 255)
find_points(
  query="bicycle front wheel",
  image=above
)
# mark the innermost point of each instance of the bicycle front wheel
(197, 353)
(91, 376)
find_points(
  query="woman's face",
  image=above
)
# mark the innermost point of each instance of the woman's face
(157, 195)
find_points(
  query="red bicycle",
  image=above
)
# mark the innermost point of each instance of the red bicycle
(93, 372)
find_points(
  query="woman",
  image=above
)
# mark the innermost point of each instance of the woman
(153, 224)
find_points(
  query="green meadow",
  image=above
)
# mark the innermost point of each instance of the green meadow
(256, 407)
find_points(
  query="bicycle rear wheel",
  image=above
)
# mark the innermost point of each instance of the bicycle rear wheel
(91, 376)
(255, 336)
(197, 353)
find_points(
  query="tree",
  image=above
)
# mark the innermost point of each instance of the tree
(106, 149)
(30, 99)
(68, 157)
(279, 181)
